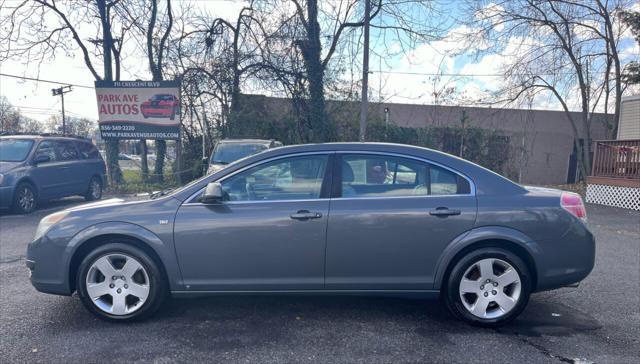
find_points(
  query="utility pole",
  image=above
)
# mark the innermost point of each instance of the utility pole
(365, 72)
(61, 91)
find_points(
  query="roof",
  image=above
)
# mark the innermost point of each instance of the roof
(43, 136)
(265, 141)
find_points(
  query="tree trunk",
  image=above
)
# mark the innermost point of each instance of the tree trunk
(315, 72)
(144, 163)
(112, 148)
(161, 151)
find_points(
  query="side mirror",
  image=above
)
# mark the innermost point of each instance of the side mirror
(212, 194)
(41, 158)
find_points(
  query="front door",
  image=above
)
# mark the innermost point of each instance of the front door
(269, 234)
(391, 220)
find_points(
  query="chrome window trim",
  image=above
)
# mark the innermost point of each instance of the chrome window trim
(189, 201)
(472, 185)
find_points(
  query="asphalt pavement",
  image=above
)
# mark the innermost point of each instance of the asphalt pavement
(596, 322)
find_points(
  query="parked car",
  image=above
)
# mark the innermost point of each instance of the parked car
(230, 150)
(161, 106)
(323, 219)
(42, 167)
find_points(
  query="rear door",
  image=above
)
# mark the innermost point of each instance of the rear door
(74, 173)
(391, 219)
(91, 162)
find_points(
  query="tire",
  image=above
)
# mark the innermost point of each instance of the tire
(488, 300)
(173, 114)
(25, 199)
(120, 299)
(94, 190)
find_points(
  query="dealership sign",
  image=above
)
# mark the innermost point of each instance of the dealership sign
(138, 109)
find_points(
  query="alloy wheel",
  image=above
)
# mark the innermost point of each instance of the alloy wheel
(490, 288)
(96, 189)
(118, 284)
(26, 199)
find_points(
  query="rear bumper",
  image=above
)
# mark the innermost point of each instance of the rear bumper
(567, 261)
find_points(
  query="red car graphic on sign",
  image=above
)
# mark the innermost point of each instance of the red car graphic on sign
(160, 105)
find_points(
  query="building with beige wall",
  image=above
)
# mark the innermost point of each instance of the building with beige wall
(542, 141)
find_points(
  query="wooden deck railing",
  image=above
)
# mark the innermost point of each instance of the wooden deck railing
(616, 159)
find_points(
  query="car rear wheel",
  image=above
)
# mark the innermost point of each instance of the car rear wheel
(94, 191)
(24, 199)
(488, 287)
(119, 282)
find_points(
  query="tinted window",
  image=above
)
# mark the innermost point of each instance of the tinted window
(88, 151)
(47, 148)
(67, 151)
(14, 150)
(383, 176)
(445, 182)
(284, 179)
(379, 176)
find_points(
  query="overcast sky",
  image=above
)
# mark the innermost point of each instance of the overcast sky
(403, 79)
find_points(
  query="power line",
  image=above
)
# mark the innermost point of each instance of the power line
(47, 81)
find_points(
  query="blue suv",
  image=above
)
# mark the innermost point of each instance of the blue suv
(42, 167)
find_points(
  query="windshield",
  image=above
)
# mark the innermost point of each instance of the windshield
(14, 150)
(226, 153)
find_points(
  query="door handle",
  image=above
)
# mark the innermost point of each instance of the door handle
(444, 212)
(305, 215)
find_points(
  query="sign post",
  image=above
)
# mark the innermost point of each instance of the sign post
(138, 109)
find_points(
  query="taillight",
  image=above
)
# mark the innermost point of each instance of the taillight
(572, 202)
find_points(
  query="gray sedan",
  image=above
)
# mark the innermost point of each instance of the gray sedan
(349, 218)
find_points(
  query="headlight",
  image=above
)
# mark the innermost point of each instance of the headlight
(48, 221)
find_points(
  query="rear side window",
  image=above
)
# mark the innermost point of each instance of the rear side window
(47, 148)
(445, 182)
(66, 150)
(390, 176)
(88, 151)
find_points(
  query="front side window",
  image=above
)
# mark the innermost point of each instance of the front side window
(389, 176)
(294, 178)
(14, 150)
(67, 151)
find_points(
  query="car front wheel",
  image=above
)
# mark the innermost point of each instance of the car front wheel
(119, 282)
(24, 199)
(488, 287)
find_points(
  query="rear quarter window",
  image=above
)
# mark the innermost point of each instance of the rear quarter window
(88, 151)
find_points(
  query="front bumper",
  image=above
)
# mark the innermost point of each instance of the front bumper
(46, 261)
(6, 196)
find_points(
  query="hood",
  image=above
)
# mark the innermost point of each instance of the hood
(8, 166)
(101, 203)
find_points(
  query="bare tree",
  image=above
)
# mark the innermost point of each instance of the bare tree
(28, 33)
(568, 49)
(320, 33)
